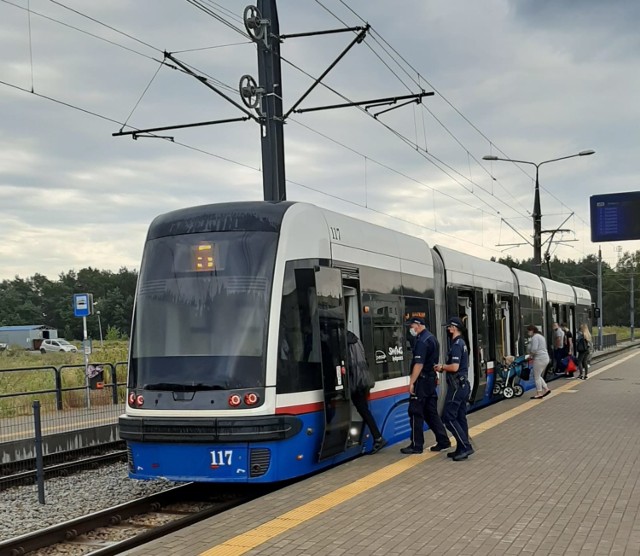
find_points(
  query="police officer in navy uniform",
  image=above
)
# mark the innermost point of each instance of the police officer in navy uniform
(423, 401)
(458, 390)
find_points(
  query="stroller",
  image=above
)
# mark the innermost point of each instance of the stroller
(510, 372)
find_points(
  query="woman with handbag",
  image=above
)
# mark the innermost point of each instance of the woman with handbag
(540, 356)
(360, 382)
(584, 347)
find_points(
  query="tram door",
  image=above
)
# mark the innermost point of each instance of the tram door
(505, 330)
(465, 313)
(337, 407)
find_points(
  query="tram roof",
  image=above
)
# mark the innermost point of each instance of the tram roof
(464, 269)
(528, 280)
(248, 216)
(557, 291)
(583, 297)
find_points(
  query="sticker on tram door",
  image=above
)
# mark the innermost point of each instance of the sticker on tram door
(339, 385)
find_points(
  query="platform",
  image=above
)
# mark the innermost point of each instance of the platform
(557, 476)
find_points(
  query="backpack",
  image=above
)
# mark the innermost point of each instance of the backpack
(582, 345)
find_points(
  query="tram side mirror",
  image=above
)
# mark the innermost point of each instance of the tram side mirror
(596, 312)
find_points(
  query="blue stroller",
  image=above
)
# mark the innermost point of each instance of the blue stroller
(509, 375)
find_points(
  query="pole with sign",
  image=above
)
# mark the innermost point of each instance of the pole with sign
(83, 307)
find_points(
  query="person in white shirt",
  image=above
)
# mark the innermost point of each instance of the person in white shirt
(558, 347)
(540, 356)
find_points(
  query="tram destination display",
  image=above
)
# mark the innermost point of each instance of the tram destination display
(614, 217)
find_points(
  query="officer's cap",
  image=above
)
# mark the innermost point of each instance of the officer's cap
(415, 320)
(455, 321)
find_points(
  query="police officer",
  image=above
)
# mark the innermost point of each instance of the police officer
(423, 401)
(458, 390)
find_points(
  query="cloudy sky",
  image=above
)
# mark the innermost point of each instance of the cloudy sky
(525, 79)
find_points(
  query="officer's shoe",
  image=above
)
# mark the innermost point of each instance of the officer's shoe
(439, 447)
(453, 454)
(463, 455)
(411, 450)
(378, 444)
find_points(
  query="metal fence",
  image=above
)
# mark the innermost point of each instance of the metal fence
(77, 414)
(608, 341)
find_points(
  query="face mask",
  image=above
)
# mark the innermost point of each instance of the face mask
(413, 332)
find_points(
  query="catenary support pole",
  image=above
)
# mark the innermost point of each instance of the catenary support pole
(270, 80)
(632, 308)
(600, 298)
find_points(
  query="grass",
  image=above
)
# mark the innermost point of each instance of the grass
(41, 377)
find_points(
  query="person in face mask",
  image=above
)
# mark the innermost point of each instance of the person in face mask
(423, 401)
(456, 368)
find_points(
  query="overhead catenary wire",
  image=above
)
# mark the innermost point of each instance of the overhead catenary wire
(212, 12)
(419, 84)
(375, 33)
(147, 44)
(64, 24)
(434, 160)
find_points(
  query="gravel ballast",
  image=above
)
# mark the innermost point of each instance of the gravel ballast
(70, 497)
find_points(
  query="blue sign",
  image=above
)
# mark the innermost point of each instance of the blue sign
(82, 304)
(614, 217)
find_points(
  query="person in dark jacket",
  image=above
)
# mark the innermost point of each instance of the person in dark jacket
(423, 401)
(454, 414)
(360, 382)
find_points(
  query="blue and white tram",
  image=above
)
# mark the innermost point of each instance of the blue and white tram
(237, 361)
(237, 365)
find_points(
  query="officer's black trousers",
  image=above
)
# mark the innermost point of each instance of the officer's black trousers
(454, 414)
(359, 400)
(421, 410)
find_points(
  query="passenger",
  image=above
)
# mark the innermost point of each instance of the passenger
(540, 356)
(584, 347)
(558, 348)
(360, 382)
(568, 340)
(458, 390)
(423, 400)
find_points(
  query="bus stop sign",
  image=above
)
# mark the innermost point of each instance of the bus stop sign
(82, 304)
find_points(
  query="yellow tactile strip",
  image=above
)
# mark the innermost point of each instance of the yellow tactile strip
(243, 543)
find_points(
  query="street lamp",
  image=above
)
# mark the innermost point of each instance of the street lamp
(537, 215)
(100, 328)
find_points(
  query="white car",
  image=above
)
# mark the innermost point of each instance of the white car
(58, 344)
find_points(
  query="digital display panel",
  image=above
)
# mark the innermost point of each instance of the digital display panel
(615, 217)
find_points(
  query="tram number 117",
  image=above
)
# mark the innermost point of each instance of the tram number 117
(221, 458)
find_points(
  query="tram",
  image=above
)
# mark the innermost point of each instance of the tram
(238, 355)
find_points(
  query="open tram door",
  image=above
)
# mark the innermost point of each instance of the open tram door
(504, 348)
(333, 342)
(465, 312)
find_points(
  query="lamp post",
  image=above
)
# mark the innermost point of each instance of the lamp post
(537, 214)
(100, 328)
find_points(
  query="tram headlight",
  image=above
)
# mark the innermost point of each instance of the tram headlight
(251, 398)
(132, 399)
(235, 400)
(139, 401)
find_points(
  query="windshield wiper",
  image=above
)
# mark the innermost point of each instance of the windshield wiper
(175, 387)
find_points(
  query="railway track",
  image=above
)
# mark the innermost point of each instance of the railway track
(10, 477)
(120, 528)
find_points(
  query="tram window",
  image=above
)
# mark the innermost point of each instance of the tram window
(299, 353)
(388, 336)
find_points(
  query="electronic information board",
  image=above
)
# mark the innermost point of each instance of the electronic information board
(615, 217)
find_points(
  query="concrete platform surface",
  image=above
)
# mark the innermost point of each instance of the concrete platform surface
(557, 476)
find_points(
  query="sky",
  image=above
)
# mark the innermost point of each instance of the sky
(528, 80)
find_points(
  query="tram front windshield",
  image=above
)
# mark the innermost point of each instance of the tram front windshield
(202, 311)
